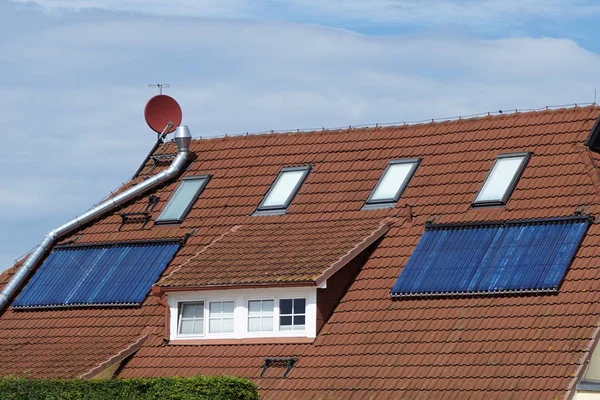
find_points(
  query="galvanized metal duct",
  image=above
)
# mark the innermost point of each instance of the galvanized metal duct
(182, 139)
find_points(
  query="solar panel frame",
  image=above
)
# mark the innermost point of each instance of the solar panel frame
(97, 275)
(491, 258)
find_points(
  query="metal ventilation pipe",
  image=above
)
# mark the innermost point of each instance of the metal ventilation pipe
(182, 137)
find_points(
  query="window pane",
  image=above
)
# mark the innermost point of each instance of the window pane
(254, 324)
(184, 195)
(299, 306)
(267, 324)
(254, 307)
(227, 325)
(298, 327)
(299, 320)
(391, 181)
(186, 327)
(214, 326)
(285, 321)
(499, 180)
(199, 326)
(215, 308)
(285, 306)
(285, 327)
(188, 310)
(283, 188)
(267, 307)
(228, 309)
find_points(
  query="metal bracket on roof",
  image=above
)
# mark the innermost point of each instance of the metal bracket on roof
(152, 202)
(134, 217)
(432, 219)
(161, 159)
(278, 362)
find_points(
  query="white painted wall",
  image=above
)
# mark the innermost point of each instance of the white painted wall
(593, 370)
(587, 396)
(240, 298)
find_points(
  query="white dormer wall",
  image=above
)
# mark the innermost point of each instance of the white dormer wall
(592, 375)
(240, 297)
(584, 395)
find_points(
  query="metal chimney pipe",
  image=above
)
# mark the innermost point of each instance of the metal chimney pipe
(183, 139)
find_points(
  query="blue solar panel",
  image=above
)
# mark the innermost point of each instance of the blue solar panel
(513, 256)
(97, 275)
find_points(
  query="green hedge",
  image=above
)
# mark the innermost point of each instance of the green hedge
(195, 388)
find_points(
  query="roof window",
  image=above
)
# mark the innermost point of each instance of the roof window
(392, 183)
(183, 199)
(285, 187)
(502, 179)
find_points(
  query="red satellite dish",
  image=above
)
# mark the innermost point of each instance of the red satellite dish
(160, 110)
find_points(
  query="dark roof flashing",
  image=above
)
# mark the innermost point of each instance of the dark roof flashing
(593, 140)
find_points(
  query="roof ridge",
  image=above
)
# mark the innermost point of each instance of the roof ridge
(428, 121)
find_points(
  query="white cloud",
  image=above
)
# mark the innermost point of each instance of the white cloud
(71, 107)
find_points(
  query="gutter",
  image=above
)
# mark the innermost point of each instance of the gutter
(182, 138)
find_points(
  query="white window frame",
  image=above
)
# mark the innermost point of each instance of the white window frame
(240, 297)
(221, 318)
(261, 314)
(292, 314)
(180, 314)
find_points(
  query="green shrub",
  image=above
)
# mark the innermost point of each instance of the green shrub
(195, 388)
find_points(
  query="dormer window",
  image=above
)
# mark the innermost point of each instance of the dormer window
(392, 183)
(502, 179)
(292, 314)
(283, 190)
(244, 313)
(191, 318)
(260, 315)
(183, 199)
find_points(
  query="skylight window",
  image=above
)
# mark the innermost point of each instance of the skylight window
(393, 181)
(183, 199)
(284, 188)
(502, 179)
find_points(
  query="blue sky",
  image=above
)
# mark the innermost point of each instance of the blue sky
(74, 75)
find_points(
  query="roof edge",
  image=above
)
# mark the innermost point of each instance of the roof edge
(583, 362)
(383, 228)
(402, 124)
(116, 359)
(159, 290)
(205, 248)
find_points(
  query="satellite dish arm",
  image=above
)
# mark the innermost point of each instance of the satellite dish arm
(159, 140)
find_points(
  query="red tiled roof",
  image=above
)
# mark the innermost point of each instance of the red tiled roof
(481, 347)
(70, 343)
(277, 250)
